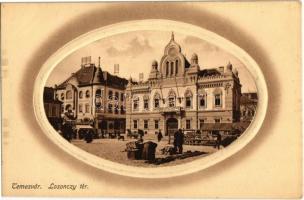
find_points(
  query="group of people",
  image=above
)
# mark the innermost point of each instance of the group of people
(177, 142)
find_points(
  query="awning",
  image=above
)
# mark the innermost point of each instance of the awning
(84, 126)
(216, 127)
(224, 126)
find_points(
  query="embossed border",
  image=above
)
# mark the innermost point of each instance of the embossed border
(160, 25)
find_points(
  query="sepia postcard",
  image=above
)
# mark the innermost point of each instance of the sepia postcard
(151, 99)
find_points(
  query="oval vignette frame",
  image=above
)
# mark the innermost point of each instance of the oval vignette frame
(156, 25)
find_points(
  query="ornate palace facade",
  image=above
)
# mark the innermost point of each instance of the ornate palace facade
(178, 94)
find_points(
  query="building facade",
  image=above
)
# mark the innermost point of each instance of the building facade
(95, 97)
(52, 107)
(249, 101)
(178, 94)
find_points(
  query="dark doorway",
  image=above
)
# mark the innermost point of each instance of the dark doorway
(172, 127)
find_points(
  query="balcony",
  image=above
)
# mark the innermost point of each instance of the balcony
(176, 109)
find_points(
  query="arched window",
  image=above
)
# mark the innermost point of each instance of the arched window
(188, 97)
(176, 67)
(156, 100)
(69, 94)
(80, 95)
(62, 96)
(87, 94)
(202, 98)
(172, 68)
(98, 93)
(167, 68)
(68, 107)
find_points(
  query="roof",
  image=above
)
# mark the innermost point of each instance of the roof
(48, 96)
(91, 74)
(209, 72)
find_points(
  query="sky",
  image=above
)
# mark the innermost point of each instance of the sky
(135, 51)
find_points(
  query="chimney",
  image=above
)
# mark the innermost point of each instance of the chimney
(141, 77)
(85, 61)
(116, 69)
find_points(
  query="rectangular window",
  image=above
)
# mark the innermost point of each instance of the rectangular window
(80, 108)
(188, 102)
(146, 104)
(110, 96)
(116, 109)
(116, 96)
(110, 108)
(122, 97)
(122, 110)
(87, 108)
(156, 124)
(203, 101)
(135, 124)
(217, 120)
(135, 104)
(217, 100)
(188, 124)
(145, 124)
(201, 123)
(156, 103)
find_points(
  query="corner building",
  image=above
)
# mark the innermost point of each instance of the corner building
(178, 94)
(94, 97)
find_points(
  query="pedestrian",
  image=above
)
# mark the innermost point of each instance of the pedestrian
(159, 136)
(218, 140)
(178, 141)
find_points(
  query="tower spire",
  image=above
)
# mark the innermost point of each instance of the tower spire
(172, 36)
(99, 61)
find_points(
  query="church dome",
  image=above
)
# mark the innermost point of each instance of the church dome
(194, 57)
(154, 63)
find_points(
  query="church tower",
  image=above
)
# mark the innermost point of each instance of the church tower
(173, 62)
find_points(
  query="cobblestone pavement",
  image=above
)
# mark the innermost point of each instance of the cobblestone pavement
(114, 150)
